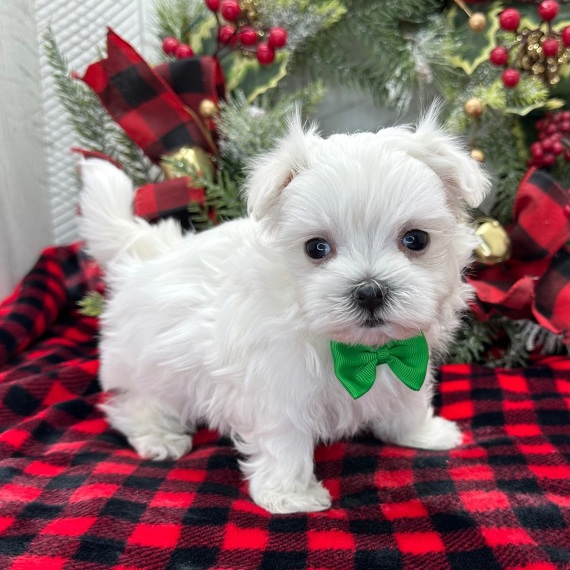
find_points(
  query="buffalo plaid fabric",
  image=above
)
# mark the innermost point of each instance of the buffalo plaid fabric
(168, 199)
(158, 200)
(195, 78)
(75, 496)
(535, 282)
(146, 106)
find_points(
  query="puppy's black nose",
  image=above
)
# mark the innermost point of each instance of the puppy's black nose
(369, 295)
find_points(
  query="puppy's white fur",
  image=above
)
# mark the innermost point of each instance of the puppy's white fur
(232, 326)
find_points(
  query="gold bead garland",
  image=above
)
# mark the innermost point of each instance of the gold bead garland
(473, 107)
(478, 155)
(249, 10)
(531, 56)
(207, 108)
(477, 22)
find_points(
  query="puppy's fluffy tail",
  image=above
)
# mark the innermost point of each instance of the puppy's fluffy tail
(107, 223)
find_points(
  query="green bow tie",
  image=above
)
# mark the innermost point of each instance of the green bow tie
(355, 364)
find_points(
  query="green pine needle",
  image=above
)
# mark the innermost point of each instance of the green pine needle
(92, 304)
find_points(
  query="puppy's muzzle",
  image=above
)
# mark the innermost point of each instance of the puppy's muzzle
(369, 295)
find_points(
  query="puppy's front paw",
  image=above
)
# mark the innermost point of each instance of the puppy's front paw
(437, 433)
(159, 446)
(280, 501)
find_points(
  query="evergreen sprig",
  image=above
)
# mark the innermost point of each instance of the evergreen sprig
(178, 18)
(92, 125)
(248, 130)
(222, 192)
(384, 50)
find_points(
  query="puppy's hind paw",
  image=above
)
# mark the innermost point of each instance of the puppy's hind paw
(159, 446)
(437, 433)
(279, 501)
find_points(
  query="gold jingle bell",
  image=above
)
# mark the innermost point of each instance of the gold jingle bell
(495, 244)
(207, 108)
(195, 156)
(473, 107)
(477, 22)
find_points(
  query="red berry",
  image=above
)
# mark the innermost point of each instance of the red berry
(248, 36)
(567, 155)
(548, 10)
(539, 124)
(183, 51)
(509, 19)
(550, 47)
(548, 159)
(557, 148)
(499, 55)
(510, 77)
(225, 34)
(565, 115)
(213, 5)
(565, 126)
(547, 144)
(169, 45)
(551, 129)
(567, 211)
(277, 37)
(265, 53)
(230, 10)
(536, 149)
(565, 34)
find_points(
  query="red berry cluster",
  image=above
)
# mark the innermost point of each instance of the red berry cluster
(246, 37)
(553, 140)
(509, 21)
(171, 46)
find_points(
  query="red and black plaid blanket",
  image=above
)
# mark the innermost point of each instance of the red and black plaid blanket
(74, 496)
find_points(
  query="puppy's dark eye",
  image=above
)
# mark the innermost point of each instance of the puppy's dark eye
(416, 240)
(317, 248)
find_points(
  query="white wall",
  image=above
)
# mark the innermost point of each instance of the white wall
(38, 193)
(25, 226)
(79, 27)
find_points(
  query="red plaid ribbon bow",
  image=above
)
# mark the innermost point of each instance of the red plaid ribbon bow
(159, 110)
(535, 282)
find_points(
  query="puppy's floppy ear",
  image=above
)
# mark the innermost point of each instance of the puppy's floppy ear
(463, 177)
(271, 173)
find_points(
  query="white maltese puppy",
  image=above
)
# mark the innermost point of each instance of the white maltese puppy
(353, 244)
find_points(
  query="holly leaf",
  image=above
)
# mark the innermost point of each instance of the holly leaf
(253, 79)
(473, 48)
(203, 37)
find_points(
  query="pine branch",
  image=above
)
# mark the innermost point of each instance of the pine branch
(472, 341)
(93, 126)
(516, 353)
(222, 194)
(376, 49)
(88, 118)
(177, 18)
(248, 130)
(92, 304)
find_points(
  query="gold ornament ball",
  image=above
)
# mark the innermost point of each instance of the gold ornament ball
(494, 242)
(477, 22)
(473, 107)
(478, 155)
(194, 156)
(207, 109)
